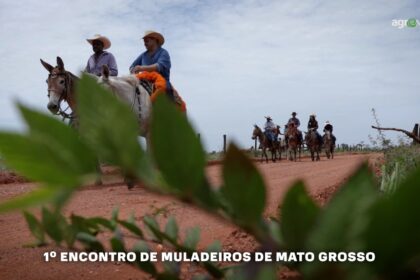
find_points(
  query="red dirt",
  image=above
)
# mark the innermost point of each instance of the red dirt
(17, 262)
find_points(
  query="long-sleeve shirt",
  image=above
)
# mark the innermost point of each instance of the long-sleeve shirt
(295, 121)
(313, 124)
(94, 65)
(161, 58)
(269, 125)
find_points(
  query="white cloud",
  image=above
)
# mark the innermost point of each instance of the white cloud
(234, 62)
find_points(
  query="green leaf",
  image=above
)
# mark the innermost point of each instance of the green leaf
(111, 129)
(35, 227)
(92, 244)
(394, 229)
(171, 228)
(117, 243)
(215, 246)
(345, 216)
(21, 152)
(298, 217)
(178, 152)
(342, 223)
(101, 221)
(146, 266)
(153, 226)
(86, 225)
(73, 156)
(33, 198)
(132, 227)
(243, 189)
(192, 238)
(51, 223)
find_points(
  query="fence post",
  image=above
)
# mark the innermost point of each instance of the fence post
(416, 131)
(198, 136)
(224, 143)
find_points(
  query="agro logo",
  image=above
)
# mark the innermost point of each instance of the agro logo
(401, 23)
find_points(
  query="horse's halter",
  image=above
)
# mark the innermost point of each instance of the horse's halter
(63, 95)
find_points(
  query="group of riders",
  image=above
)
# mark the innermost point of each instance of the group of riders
(271, 130)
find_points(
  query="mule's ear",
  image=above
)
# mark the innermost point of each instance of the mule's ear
(60, 63)
(105, 71)
(46, 66)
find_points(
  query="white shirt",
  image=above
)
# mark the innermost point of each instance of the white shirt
(269, 125)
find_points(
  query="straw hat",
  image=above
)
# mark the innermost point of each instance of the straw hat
(156, 35)
(103, 39)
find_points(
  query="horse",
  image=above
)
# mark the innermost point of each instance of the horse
(264, 143)
(314, 144)
(328, 144)
(293, 142)
(62, 85)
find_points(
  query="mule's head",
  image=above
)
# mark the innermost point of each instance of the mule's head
(255, 132)
(56, 84)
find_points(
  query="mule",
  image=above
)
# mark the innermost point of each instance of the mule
(62, 85)
(129, 90)
(265, 144)
(293, 143)
(314, 144)
(328, 144)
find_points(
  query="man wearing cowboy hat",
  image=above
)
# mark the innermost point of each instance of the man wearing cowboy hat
(328, 127)
(155, 58)
(296, 122)
(313, 124)
(269, 129)
(101, 57)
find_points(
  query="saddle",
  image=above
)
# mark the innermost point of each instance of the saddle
(155, 85)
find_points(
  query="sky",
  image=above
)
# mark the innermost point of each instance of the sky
(233, 62)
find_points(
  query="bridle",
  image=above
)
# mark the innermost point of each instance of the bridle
(63, 95)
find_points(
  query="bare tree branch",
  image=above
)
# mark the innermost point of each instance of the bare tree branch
(408, 133)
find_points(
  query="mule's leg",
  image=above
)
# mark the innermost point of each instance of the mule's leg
(300, 150)
(265, 154)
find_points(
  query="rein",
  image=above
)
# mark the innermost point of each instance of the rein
(63, 96)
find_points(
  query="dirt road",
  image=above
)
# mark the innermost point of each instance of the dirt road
(17, 262)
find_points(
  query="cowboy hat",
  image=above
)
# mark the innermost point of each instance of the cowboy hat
(155, 35)
(103, 39)
(268, 118)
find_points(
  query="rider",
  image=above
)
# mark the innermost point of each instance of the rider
(155, 58)
(328, 127)
(296, 122)
(313, 124)
(269, 129)
(101, 57)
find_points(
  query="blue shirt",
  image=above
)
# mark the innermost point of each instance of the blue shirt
(161, 58)
(94, 66)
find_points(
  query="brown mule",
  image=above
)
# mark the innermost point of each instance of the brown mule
(265, 144)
